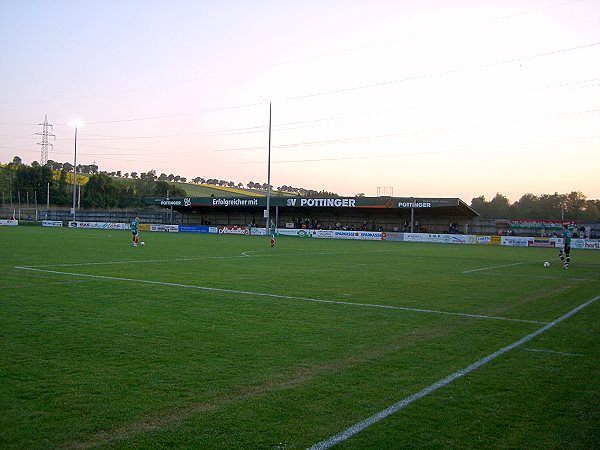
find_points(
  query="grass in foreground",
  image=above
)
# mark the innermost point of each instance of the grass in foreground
(176, 344)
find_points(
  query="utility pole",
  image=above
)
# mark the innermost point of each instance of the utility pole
(45, 133)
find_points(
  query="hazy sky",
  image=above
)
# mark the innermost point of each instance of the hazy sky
(441, 98)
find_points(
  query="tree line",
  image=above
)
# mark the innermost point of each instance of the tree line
(98, 189)
(20, 183)
(571, 206)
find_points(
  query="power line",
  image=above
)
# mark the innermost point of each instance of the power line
(397, 155)
(437, 74)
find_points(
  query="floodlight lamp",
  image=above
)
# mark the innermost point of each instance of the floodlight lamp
(76, 123)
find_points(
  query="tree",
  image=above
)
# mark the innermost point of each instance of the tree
(574, 205)
(499, 206)
(33, 180)
(527, 207)
(100, 192)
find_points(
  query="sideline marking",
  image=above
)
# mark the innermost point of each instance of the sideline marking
(495, 267)
(362, 425)
(554, 352)
(288, 297)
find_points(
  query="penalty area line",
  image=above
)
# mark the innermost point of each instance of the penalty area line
(268, 295)
(396, 407)
(494, 267)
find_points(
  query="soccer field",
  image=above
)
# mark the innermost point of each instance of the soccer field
(221, 342)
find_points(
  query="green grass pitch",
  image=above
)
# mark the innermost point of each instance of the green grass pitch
(221, 342)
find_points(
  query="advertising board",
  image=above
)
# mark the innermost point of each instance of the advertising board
(167, 228)
(99, 225)
(52, 223)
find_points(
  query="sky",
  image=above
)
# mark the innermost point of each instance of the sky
(423, 98)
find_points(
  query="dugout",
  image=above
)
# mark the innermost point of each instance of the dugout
(432, 215)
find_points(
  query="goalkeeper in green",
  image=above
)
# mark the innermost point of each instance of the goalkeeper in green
(135, 233)
(565, 251)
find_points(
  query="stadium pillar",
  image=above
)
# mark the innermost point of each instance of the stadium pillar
(76, 124)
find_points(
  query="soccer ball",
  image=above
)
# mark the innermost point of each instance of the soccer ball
(546, 263)
(143, 243)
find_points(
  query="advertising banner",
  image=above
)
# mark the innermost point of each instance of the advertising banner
(322, 234)
(392, 236)
(428, 237)
(193, 229)
(52, 223)
(297, 232)
(255, 231)
(536, 224)
(9, 223)
(234, 229)
(515, 241)
(167, 228)
(99, 225)
(541, 242)
(585, 244)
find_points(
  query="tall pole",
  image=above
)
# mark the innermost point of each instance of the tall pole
(75, 174)
(268, 178)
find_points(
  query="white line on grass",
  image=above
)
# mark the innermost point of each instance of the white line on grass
(362, 425)
(494, 267)
(245, 254)
(539, 350)
(544, 277)
(288, 297)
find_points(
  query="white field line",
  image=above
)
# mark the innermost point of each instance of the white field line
(362, 425)
(539, 350)
(494, 267)
(544, 277)
(245, 254)
(265, 294)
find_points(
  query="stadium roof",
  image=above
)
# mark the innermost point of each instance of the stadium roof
(436, 207)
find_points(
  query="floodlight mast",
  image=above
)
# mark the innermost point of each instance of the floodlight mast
(268, 211)
(76, 124)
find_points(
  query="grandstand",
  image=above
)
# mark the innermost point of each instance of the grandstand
(368, 213)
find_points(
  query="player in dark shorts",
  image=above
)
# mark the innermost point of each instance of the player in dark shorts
(565, 251)
(135, 233)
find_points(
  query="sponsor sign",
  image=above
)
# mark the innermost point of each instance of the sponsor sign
(393, 236)
(297, 232)
(167, 228)
(341, 234)
(428, 237)
(585, 244)
(591, 244)
(489, 240)
(9, 223)
(515, 241)
(537, 242)
(414, 204)
(232, 229)
(370, 235)
(52, 223)
(322, 202)
(227, 202)
(255, 231)
(99, 225)
(322, 234)
(193, 229)
(537, 224)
